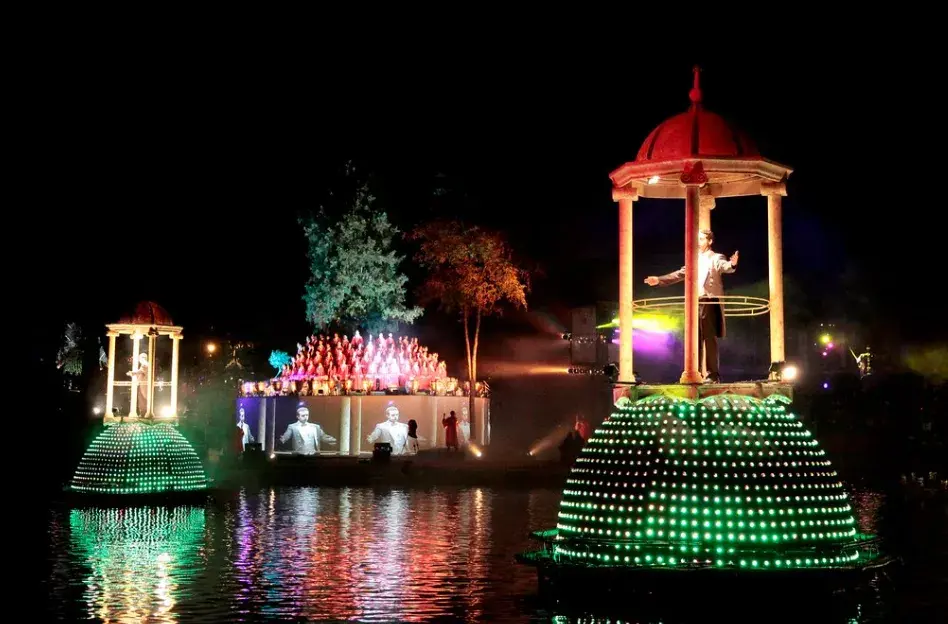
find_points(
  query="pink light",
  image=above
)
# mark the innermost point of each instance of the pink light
(829, 346)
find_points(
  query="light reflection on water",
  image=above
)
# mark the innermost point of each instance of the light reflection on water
(311, 553)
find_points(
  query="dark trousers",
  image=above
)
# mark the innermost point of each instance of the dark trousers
(709, 329)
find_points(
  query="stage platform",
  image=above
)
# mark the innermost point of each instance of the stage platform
(757, 389)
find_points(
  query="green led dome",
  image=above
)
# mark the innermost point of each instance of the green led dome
(726, 482)
(139, 458)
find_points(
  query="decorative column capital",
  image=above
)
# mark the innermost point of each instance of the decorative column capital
(773, 188)
(625, 193)
(693, 175)
(112, 334)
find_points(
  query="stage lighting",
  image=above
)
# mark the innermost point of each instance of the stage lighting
(781, 371)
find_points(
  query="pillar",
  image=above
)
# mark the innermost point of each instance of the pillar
(435, 422)
(775, 193)
(262, 422)
(345, 422)
(152, 336)
(691, 374)
(136, 351)
(355, 427)
(705, 206)
(175, 345)
(626, 198)
(110, 388)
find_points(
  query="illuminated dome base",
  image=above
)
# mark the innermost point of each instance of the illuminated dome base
(728, 482)
(139, 458)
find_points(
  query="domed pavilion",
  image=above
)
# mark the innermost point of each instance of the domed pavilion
(701, 476)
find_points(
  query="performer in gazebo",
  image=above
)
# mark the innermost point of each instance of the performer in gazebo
(711, 267)
(141, 374)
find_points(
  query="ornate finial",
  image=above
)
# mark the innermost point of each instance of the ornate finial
(695, 94)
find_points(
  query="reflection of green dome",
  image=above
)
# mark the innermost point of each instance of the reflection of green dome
(139, 458)
(726, 482)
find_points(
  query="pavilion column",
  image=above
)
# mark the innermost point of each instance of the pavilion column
(345, 422)
(706, 204)
(136, 351)
(175, 345)
(626, 198)
(775, 194)
(692, 179)
(152, 337)
(355, 427)
(110, 388)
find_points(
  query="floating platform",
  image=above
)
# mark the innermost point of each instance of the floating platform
(702, 480)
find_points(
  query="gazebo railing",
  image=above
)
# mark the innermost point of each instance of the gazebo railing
(734, 305)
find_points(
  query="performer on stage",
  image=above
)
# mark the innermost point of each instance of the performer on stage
(450, 424)
(141, 374)
(306, 436)
(711, 267)
(391, 431)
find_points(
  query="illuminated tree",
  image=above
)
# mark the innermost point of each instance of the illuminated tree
(470, 271)
(69, 357)
(354, 272)
(279, 358)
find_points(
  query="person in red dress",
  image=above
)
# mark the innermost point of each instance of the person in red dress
(450, 430)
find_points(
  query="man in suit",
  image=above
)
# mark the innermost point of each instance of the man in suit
(306, 435)
(391, 431)
(711, 267)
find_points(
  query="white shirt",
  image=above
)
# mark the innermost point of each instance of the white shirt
(395, 433)
(711, 266)
(306, 437)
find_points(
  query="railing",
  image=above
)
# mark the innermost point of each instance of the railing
(733, 305)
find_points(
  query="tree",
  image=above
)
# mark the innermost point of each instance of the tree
(354, 272)
(70, 355)
(278, 359)
(470, 271)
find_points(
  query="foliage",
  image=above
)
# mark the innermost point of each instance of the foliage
(469, 268)
(471, 271)
(354, 272)
(69, 357)
(278, 359)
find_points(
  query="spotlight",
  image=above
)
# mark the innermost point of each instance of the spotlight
(781, 371)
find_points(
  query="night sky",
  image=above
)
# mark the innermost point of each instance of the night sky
(180, 178)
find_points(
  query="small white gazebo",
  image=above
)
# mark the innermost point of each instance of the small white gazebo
(152, 321)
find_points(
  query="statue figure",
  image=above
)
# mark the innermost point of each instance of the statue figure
(391, 431)
(141, 374)
(711, 267)
(306, 436)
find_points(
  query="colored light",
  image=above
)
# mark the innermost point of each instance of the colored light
(825, 338)
(789, 373)
(826, 385)
(211, 347)
(139, 458)
(728, 481)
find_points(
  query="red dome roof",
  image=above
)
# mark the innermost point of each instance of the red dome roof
(696, 133)
(148, 313)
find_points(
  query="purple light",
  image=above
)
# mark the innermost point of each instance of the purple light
(826, 385)
(829, 346)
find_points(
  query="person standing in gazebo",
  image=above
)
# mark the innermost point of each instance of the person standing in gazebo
(711, 267)
(141, 374)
